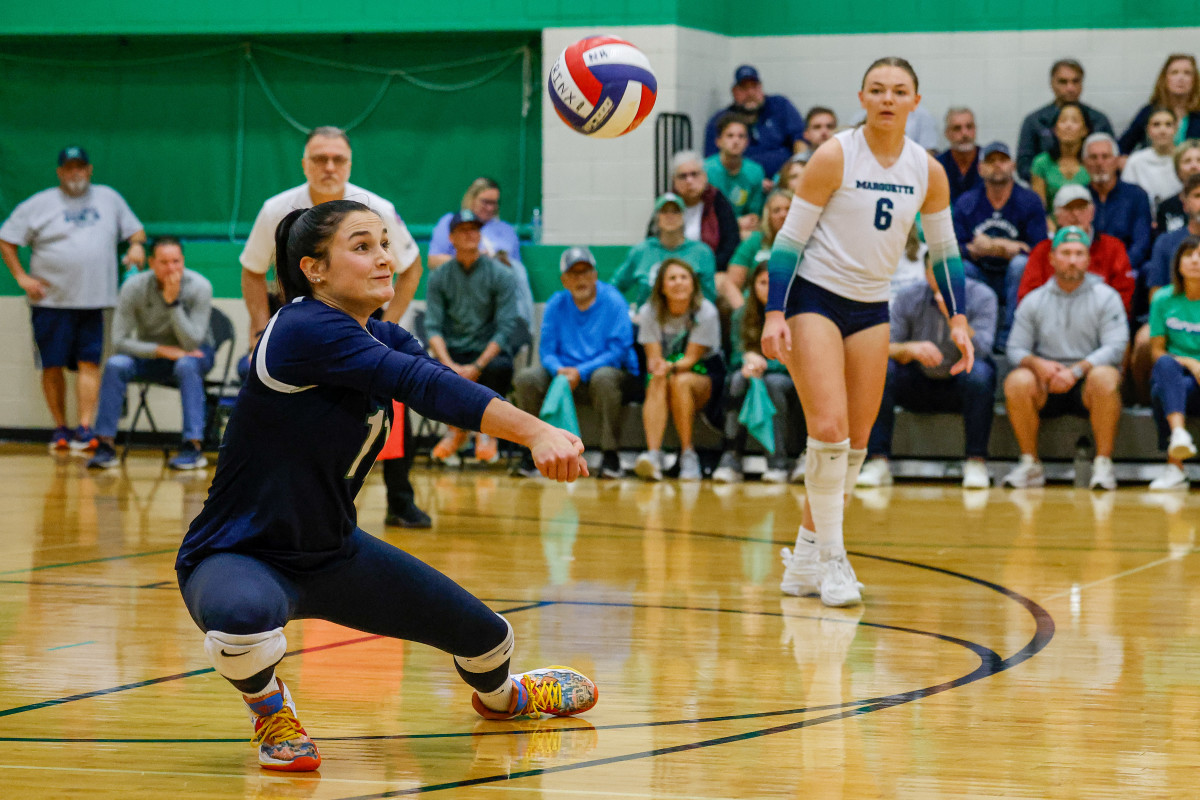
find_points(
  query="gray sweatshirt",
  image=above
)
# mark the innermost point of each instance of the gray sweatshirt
(1088, 324)
(143, 319)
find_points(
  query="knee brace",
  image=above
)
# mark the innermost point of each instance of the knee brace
(489, 670)
(240, 656)
(825, 465)
(854, 462)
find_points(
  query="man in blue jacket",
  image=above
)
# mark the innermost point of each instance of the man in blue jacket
(588, 338)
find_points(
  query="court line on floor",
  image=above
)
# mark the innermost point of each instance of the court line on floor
(1117, 576)
(90, 561)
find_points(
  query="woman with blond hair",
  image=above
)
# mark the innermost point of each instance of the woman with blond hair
(1176, 88)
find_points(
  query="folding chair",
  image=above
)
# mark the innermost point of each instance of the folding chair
(221, 333)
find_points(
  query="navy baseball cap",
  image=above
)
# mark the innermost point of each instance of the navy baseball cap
(72, 154)
(464, 217)
(995, 147)
(745, 73)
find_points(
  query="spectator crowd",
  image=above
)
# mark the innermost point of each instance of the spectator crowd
(1082, 250)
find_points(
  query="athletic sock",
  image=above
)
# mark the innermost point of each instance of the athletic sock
(268, 701)
(500, 699)
(805, 538)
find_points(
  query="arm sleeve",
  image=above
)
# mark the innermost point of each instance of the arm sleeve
(1114, 333)
(439, 241)
(190, 318)
(788, 248)
(947, 263)
(983, 320)
(548, 341)
(728, 226)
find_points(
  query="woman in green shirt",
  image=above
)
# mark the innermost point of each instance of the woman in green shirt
(755, 248)
(1062, 163)
(747, 361)
(637, 272)
(1175, 346)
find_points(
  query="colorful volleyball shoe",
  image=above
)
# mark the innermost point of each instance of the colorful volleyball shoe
(283, 744)
(558, 691)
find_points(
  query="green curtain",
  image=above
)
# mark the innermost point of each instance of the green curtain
(185, 130)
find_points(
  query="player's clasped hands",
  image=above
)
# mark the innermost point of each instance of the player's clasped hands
(558, 454)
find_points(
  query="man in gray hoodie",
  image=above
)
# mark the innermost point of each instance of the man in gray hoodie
(1067, 343)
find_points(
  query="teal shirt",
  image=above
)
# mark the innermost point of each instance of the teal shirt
(738, 345)
(1178, 319)
(751, 251)
(635, 277)
(744, 190)
(1047, 169)
(470, 309)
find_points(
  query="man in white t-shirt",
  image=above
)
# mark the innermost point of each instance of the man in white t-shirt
(326, 165)
(73, 230)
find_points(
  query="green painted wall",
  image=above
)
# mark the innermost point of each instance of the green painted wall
(90, 17)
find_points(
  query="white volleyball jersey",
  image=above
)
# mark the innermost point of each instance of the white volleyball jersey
(860, 236)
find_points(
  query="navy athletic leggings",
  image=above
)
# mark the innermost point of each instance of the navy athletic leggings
(381, 590)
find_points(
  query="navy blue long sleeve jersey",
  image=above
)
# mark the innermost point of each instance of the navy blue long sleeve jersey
(310, 420)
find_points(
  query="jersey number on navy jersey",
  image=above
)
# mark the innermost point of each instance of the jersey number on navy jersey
(883, 214)
(375, 423)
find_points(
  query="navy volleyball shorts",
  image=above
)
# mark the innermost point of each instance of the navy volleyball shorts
(851, 316)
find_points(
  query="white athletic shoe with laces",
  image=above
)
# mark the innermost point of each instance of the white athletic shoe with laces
(1027, 474)
(1103, 476)
(875, 472)
(801, 570)
(839, 584)
(1182, 447)
(649, 466)
(1171, 478)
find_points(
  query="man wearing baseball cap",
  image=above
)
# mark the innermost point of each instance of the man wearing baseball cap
(1066, 348)
(1106, 255)
(588, 338)
(776, 127)
(997, 223)
(73, 230)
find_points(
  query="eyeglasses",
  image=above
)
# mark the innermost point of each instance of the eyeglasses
(337, 161)
(692, 174)
(488, 203)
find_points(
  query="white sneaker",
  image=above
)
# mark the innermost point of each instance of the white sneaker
(839, 584)
(1103, 476)
(689, 466)
(801, 570)
(975, 475)
(776, 475)
(1171, 478)
(875, 472)
(729, 470)
(1182, 447)
(649, 465)
(797, 473)
(1027, 474)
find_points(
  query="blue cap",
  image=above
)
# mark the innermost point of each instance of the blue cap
(464, 217)
(994, 147)
(72, 154)
(745, 73)
(1071, 233)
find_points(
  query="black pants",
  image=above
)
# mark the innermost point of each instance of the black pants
(400, 495)
(380, 589)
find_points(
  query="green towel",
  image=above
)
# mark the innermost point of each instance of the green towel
(758, 414)
(559, 407)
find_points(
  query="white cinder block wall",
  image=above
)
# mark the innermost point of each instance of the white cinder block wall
(600, 191)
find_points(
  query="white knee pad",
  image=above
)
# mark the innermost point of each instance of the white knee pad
(854, 462)
(825, 465)
(493, 659)
(240, 656)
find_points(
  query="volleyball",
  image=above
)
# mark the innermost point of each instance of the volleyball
(602, 86)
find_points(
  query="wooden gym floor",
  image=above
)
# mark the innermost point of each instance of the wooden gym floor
(1039, 644)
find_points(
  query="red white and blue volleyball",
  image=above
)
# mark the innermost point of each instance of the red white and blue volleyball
(602, 86)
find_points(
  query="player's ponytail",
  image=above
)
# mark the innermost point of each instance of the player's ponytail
(307, 232)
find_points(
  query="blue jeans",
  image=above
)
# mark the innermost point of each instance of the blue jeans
(1004, 282)
(973, 394)
(188, 372)
(1173, 390)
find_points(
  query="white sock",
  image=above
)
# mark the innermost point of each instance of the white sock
(825, 485)
(271, 686)
(500, 699)
(805, 538)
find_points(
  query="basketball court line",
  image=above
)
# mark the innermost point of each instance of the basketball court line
(1116, 576)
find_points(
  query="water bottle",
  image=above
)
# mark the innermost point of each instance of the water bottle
(535, 226)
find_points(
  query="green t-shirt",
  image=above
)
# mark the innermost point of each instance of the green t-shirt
(1047, 169)
(743, 190)
(1178, 319)
(750, 251)
(635, 277)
